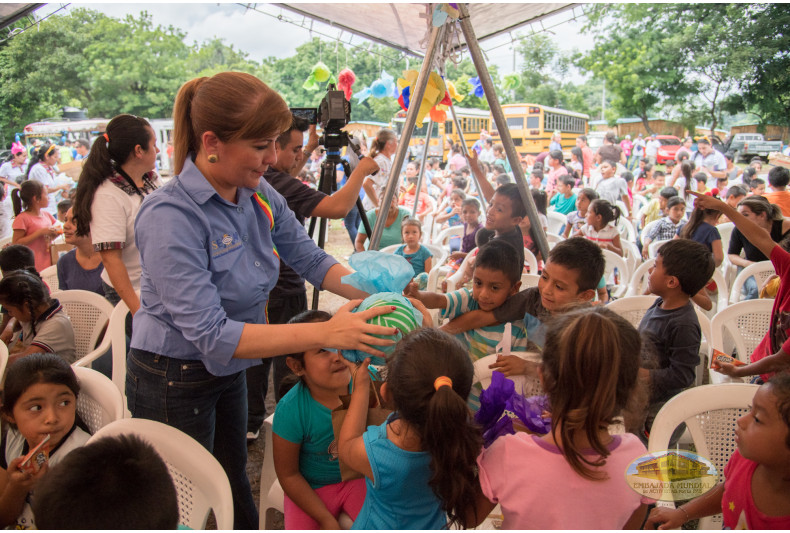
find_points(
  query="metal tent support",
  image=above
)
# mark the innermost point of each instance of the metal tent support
(422, 168)
(536, 230)
(411, 119)
(465, 149)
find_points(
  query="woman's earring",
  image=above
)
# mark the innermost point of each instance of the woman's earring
(213, 158)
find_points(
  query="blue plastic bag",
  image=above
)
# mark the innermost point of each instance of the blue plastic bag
(383, 276)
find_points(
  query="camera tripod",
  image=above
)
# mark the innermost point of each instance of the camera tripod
(327, 184)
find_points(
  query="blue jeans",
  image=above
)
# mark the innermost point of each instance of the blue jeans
(210, 409)
(351, 221)
(750, 290)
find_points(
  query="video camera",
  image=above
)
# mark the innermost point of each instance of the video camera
(333, 113)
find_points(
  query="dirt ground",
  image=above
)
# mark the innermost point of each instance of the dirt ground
(339, 246)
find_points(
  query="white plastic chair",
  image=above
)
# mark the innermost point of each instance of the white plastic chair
(442, 238)
(631, 255)
(556, 222)
(527, 385)
(553, 239)
(761, 272)
(725, 230)
(741, 327)
(652, 248)
(710, 413)
(200, 481)
(626, 229)
(638, 283)
(529, 280)
(116, 332)
(99, 403)
(50, 277)
(615, 261)
(272, 496)
(89, 314)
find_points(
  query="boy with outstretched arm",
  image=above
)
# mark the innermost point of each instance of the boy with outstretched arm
(570, 276)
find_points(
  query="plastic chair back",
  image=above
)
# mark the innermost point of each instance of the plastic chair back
(556, 222)
(439, 253)
(710, 413)
(50, 277)
(741, 327)
(647, 229)
(626, 229)
(89, 314)
(631, 255)
(553, 239)
(652, 248)
(725, 230)
(638, 283)
(200, 481)
(99, 402)
(529, 280)
(116, 331)
(443, 236)
(761, 272)
(615, 261)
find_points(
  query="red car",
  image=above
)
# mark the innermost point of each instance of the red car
(668, 149)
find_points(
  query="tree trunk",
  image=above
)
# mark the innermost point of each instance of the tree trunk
(646, 124)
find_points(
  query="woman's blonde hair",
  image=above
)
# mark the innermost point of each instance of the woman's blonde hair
(233, 105)
(382, 138)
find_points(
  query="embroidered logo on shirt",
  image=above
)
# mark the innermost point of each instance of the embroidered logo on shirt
(225, 244)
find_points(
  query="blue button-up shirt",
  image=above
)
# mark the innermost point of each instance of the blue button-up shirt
(208, 266)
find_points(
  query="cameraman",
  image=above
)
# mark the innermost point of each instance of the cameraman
(289, 296)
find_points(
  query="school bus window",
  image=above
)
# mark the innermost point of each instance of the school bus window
(515, 123)
(533, 123)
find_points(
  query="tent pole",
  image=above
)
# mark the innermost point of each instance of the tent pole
(415, 98)
(536, 230)
(422, 168)
(465, 150)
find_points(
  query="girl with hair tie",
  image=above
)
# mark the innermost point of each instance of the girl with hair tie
(117, 175)
(210, 242)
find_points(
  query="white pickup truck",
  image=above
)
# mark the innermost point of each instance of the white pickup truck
(748, 145)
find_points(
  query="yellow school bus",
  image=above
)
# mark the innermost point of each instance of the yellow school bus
(531, 127)
(444, 135)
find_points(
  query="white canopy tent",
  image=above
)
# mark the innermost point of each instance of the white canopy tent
(409, 28)
(403, 26)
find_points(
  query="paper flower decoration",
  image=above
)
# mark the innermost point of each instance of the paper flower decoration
(319, 74)
(511, 81)
(501, 400)
(477, 87)
(381, 88)
(345, 80)
(438, 115)
(434, 92)
(453, 92)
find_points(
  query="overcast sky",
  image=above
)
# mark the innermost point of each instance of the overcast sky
(261, 35)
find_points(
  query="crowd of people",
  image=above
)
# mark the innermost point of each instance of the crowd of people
(212, 265)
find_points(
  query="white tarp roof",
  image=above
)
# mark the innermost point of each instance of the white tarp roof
(401, 27)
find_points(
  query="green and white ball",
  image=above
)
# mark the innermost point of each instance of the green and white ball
(405, 317)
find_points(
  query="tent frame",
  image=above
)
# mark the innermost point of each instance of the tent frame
(431, 56)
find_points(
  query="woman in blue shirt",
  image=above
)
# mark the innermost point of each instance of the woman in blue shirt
(209, 243)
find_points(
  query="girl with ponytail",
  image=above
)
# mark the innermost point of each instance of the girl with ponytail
(118, 173)
(420, 464)
(381, 150)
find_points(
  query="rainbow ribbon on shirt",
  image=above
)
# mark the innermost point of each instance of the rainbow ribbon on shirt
(264, 204)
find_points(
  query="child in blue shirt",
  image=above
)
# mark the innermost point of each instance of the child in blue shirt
(303, 440)
(452, 215)
(418, 256)
(419, 465)
(564, 201)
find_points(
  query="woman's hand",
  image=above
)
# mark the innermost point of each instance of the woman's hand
(411, 290)
(350, 331)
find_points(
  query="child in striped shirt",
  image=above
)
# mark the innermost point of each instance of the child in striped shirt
(497, 276)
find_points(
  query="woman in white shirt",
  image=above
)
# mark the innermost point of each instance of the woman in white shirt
(43, 168)
(118, 174)
(381, 150)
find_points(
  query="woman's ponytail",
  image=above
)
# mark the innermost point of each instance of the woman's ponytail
(184, 138)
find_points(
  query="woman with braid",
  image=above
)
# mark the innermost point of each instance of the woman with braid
(45, 327)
